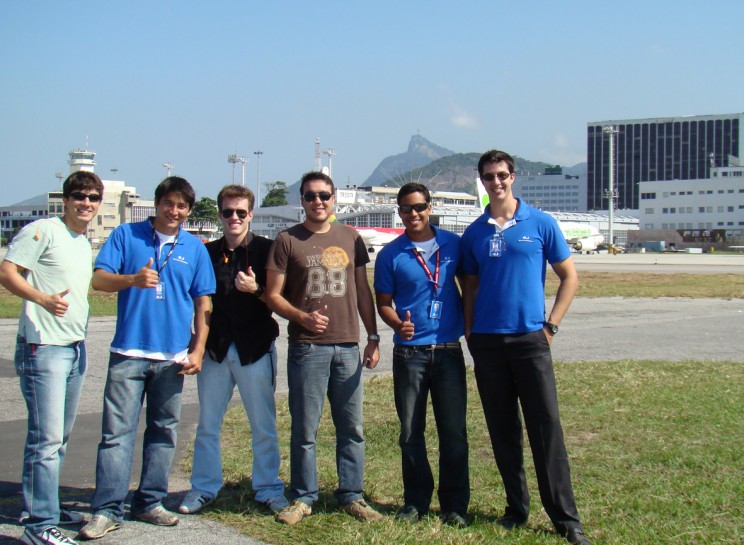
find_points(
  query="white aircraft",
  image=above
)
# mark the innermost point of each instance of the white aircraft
(378, 236)
(581, 237)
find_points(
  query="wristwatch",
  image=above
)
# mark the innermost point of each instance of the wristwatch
(374, 337)
(552, 328)
(259, 290)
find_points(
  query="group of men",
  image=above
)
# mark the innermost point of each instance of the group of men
(185, 308)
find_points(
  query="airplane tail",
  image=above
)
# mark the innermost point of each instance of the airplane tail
(482, 195)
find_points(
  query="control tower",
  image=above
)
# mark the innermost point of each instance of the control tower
(81, 159)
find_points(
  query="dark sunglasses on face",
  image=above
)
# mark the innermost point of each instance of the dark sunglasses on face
(418, 207)
(80, 196)
(227, 213)
(310, 196)
(490, 177)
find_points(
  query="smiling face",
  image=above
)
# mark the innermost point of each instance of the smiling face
(79, 212)
(317, 211)
(499, 191)
(235, 228)
(416, 223)
(170, 212)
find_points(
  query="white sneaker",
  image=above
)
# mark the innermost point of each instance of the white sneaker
(50, 536)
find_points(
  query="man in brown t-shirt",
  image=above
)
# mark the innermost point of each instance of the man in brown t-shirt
(317, 279)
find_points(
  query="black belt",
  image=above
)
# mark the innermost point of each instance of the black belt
(429, 347)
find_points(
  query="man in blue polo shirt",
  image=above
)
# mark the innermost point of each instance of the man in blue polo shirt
(417, 297)
(164, 278)
(505, 254)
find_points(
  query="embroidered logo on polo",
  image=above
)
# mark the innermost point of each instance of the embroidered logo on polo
(526, 238)
(180, 259)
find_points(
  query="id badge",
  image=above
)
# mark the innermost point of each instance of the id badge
(435, 312)
(160, 292)
(495, 247)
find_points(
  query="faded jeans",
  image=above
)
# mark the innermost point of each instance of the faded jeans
(51, 380)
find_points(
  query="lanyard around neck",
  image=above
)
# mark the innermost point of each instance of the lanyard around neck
(432, 277)
(156, 244)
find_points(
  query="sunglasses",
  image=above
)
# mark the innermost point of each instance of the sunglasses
(418, 207)
(323, 195)
(228, 213)
(80, 196)
(490, 177)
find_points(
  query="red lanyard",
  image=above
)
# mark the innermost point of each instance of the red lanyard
(435, 277)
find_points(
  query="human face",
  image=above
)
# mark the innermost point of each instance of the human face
(498, 190)
(78, 213)
(317, 212)
(170, 212)
(416, 223)
(235, 228)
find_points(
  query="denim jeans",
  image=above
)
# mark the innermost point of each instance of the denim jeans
(256, 384)
(129, 381)
(416, 372)
(51, 380)
(314, 371)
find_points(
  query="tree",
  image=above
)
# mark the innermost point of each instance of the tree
(205, 209)
(276, 194)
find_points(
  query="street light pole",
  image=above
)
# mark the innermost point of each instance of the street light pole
(610, 193)
(258, 155)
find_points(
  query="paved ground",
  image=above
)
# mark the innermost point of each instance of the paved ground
(594, 330)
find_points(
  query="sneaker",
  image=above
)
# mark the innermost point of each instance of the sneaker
(294, 513)
(66, 518)
(454, 519)
(159, 516)
(99, 526)
(277, 503)
(408, 513)
(50, 536)
(361, 511)
(194, 502)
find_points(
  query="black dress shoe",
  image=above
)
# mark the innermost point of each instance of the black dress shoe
(408, 513)
(576, 536)
(510, 522)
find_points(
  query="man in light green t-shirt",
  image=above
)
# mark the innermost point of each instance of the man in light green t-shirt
(49, 265)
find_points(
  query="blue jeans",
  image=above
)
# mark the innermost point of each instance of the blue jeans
(129, 381)
(314, 371)
(256, 383)
(51, 382)
(416, 372)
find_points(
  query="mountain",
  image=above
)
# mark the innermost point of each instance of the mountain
(420, 152)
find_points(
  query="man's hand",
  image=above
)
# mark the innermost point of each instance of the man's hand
(192, 364)
(146, 277)
(371, 355)
(246, 282)
(316, 321)
(406, 328)
(56, 304)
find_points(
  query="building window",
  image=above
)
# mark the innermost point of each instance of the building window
(649, 211)
(664, 210)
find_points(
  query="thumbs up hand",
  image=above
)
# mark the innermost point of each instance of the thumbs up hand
(55, 304)
(406, 328)
(246, 281)
(146, 277)
(316, 321)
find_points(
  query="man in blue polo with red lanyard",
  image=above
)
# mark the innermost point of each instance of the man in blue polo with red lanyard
(509, 335)
(417, 296)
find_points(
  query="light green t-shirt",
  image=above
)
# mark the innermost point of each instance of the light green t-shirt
(56, 258)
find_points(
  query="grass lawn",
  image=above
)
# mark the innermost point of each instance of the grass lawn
(657, 457)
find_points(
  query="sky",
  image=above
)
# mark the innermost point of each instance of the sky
(143, 83)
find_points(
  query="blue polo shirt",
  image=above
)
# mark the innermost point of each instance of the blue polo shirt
(142, 321)
(511, 289)
(399, 273)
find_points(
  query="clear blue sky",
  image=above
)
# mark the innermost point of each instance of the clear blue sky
(148, 82)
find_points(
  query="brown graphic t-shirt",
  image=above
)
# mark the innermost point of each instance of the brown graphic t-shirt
(319, 270)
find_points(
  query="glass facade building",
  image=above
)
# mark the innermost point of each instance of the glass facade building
(658, 149)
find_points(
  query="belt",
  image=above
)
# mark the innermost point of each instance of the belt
(429, 347)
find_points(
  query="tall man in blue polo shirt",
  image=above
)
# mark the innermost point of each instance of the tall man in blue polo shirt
(417, 297)
(505, 255)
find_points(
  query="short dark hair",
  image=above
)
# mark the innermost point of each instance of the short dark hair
(495, 156)
(82, 179)
(175, 184)
(234, 191)
(414, 187)
(312, 176)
